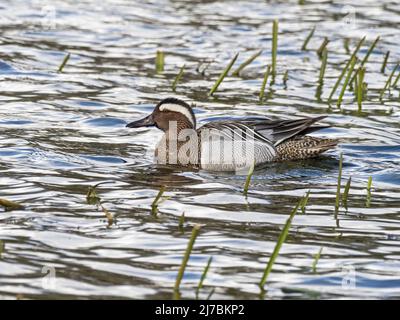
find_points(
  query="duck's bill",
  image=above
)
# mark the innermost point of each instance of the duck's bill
(145, 122)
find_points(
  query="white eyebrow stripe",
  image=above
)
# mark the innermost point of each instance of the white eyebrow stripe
(178, 108)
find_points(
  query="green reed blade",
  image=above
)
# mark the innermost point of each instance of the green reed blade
(246, 63)
(274, 46)
(304, 203)
(179, 277)
(322, 47)
(160, 61)
(181, 222)
(339, 182)
(323, 66)
(365, 59)
(368, 202)
(177, 78)
(9, 205)
(64, 62)
(345, 69)
(278, 245)
(346, 81)
(248, 179)
(307, 40)
(388, 82)
(156, 201)
(396, 80)
(316, 259)
(203, 277)
(210, 294)
(360, 88)
(384, 63)
(346, 193)
(264, 83)
(223, 75)
(285, 77)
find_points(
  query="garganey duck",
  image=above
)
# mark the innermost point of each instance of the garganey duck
(231, 145)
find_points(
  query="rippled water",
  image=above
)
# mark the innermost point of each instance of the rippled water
(63, 132)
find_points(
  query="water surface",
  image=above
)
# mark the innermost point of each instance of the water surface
(63, 132)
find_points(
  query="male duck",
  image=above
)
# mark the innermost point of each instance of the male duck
(230, 145)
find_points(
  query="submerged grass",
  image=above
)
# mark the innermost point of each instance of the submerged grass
(264, 83)
(223, 75)
(177, 78)
(64, 62)
(189, 248)
(339, 183)
(307, 40)
(246, 63)
(278, 245)
(354, 54)
(203, 277)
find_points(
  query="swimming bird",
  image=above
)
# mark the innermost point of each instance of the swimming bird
(230, 145)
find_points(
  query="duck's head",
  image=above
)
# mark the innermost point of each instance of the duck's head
(167, 111)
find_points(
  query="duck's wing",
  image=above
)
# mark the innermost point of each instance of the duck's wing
(282, 130)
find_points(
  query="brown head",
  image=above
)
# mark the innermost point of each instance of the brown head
(167, 111)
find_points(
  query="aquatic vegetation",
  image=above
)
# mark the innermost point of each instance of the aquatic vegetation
(278, 245)
(346, 81)
(359, 88)
(248, 179)
(10, 205)
(388, 82)
(304, 202)
(64, 62)
(160, 61)
(354, 54)
(203, 277)
(246, 63)
(223, 75)
(307, 40)
(316, 259)
(92, 198)
(322, 47)
(274, 51)
(339, 183)
(346, 193)
(385, 60)
(323, 66)
(156, 201)
(264, 83)
(369, 195)
(185, 259)
(178, 78)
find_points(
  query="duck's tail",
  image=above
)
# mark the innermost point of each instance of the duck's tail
(303, 147)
